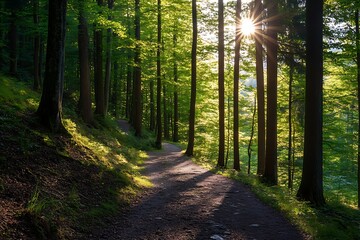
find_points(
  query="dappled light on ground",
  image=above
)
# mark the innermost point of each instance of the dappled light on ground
(189, 202)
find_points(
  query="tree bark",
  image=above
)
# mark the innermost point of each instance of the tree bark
(358, 93)
(98, 71)
(108, 61)
(260, 88)
(290, 149)
(176, 104)
(158, 78)
(13, 38)
(50, 106)
(152, 106)
(191, 135)
(270, 173)
(311, 186)
(137, 107)
(236, 85)
(85, 84)
(36, 84)
(221, 79)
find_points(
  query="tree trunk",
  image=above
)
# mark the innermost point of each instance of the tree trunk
(152, 106)
(191, 135)
(116, 91)
(251, 136)
(260, 88)
(137, 107)
(358, 93)
(290, 149)
(221, 80)
(158, 78)
(13, 38)
(176, 107)
(50, 106)
(98, 68)
(166, 117)
(270, 173)
(108, 61)
(311, 187)
(85, 84)
(36, 85)
(129, 76)
(236, 85)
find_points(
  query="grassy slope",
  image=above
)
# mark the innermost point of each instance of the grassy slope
(60, 186)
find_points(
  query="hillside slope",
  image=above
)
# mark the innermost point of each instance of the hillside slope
(57, 186)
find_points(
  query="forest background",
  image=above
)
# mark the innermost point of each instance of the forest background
(123, 44)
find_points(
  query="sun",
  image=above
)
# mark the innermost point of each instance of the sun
(247, 27)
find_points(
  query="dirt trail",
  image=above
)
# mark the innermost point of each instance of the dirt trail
(189, 202)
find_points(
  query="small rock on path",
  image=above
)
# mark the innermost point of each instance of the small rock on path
(189, 202)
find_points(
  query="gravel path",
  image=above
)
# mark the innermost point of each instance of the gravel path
(189, 202)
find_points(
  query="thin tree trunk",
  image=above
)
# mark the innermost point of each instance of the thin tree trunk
(236, 86)
(98, 68)
(260, 88)
(152, 106)
(228, 134)
(166, 119)
(311, 186)
(191, 135)
(116, 92)
(158, 77)
(129, 76)
(251, 136)
(36, 85)
(290, 149)
(270, 174)
(176, 107)
(137, 106)
(358, 80)
(85, 85)
(13, 38)
(108, 61)
(50, 106)
(221, 79)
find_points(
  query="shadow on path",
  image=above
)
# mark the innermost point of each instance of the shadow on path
(189, 202)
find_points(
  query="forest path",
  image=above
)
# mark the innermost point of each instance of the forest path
(189, 202)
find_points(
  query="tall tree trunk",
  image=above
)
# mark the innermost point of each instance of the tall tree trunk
(137, 106)
(251, 136)
(108, 61)
(129, 77)
(116, 91)
(36, 84)
(152, 106)
(13, 40)
(270, 173)
(158, 77)
(191, 135)
(358, 93)
(50, 106)
(311, 186)
(166, 117)
(221, 80)
(85, 84)
(98, 68)
(290, 149)
(236, 85)
(176, 107)
(260, 88)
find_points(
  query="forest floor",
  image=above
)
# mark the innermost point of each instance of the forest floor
(189, 202)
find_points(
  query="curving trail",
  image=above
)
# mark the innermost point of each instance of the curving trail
(189, 202)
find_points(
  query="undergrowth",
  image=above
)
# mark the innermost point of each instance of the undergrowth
(76, 180)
